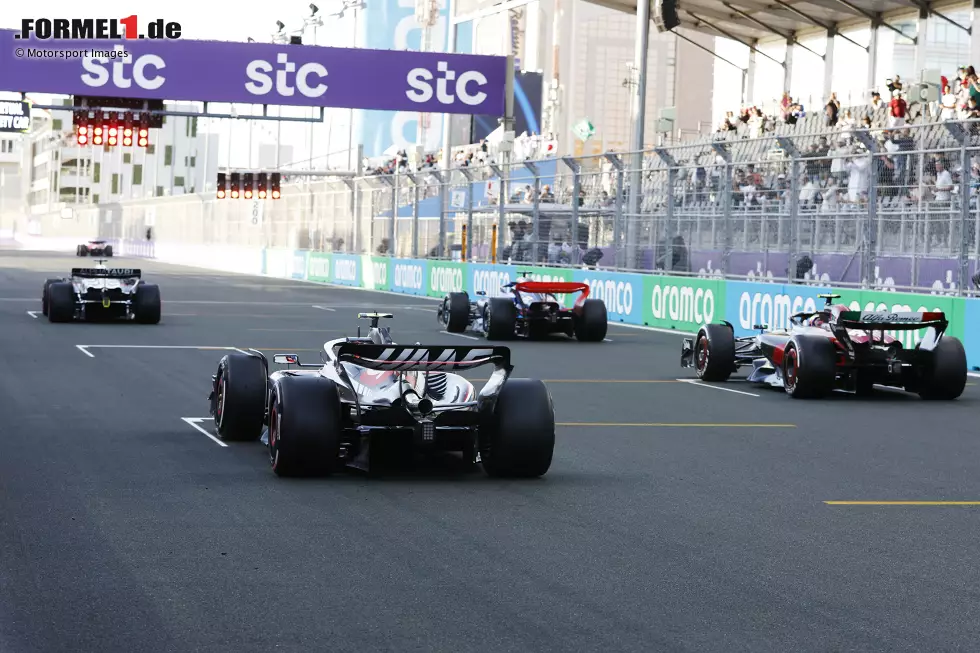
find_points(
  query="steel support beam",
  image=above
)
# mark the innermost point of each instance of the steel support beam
(813, 21)
(731, 36)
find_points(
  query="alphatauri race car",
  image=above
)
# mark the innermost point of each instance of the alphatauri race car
(836, 349)
(372, 400)
(101, 293)
(94, 248)
(531, 310)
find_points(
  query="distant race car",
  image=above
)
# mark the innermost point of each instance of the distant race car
(531, 310)
(370, 398)
(836, 349)
(94, 248)
(101, 293)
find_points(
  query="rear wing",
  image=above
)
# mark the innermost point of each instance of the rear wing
(885, 320)
(552, 287)
(106, 273)
(416, 358)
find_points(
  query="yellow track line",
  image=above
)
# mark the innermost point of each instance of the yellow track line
(902, 503)
(678, 425)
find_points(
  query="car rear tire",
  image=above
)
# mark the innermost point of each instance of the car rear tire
(592, 323)
(44, 295)
(518, 438)
(147, 306)
(809, 367)
(456, 312)
(714, 352)
(944, 377)
(240, 398)
(500, 318)
(305, 427)
(61, 302)
(82, 250)
(108, 251)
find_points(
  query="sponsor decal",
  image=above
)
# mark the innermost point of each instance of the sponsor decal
(489, 280)
(891, 318)
(409, 277)
(318, 267)
(445, 278)
(618, 292)
(299, 265)
(682, 304)
(345, 270)
(750, 304)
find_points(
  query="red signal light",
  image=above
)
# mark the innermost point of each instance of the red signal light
(113, 131)
(248, 194)
(97, 131)
(275, 195)
(83, 130)
(144, 132)
(142, 142)
(262, 194)
(221, 194)
(82, 139)
(97, 140)
(127, 132)
(234, 194)
(112, 140)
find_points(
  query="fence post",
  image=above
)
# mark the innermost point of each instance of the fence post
(963, 138)
(394, 215)
(617, 165)
(493, 244)
(576, 169)
(671, 164)
(721, 149)
(468, 228)
(535, 211)
(498, 241)
(794, 205)
(443, 209)
(871, 224)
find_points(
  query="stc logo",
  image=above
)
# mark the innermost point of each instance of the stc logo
(259, 72)
(144, 73)
(420, 80)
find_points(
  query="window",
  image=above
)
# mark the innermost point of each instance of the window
(127, 158)
(193, 161)
(159, 192)
(168, 155)
(137, 175)
(115, 183)
(97, 172)
(179, 181)
(194, 127)
(151, 148)
(56, 124)
(95, 198)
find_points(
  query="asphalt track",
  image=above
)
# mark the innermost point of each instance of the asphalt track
(675, 517)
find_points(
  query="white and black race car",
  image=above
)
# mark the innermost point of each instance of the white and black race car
(371, 398)
(94, 248)
(101, 293)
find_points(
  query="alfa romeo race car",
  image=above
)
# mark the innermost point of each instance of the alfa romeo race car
(836, 348)
(101, 293)
(531, 310)
(372, 400)
(94, 248)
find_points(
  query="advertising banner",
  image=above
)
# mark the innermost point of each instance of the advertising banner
(345, 269)
(489, 279)
(318, 267)
(622, 293)
(409, 276)
(682, 303)
(256, 73)
(445, 277)
(298, 268)
(971, 329)
(751, 304)
(377, 272)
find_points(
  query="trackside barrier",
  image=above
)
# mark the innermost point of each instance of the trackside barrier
(679, 303)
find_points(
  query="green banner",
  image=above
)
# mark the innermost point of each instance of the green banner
(682, 303)
(445, 277)
(318, 267)
(377, 272)
(875, 300)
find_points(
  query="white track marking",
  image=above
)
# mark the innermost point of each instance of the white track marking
(975, 375)
(196, 423)
(33, 314)
(460, 335)
(18, 299)
(325, 308)
(85, 348)
(82, 348)
(717, 387)
(606, 340)
(241, 351)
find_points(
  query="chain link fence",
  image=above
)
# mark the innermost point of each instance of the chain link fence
(882, 208)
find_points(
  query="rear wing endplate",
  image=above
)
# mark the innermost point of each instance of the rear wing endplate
(551, 287)
(415, 358)
(107, 273)
(892, 321)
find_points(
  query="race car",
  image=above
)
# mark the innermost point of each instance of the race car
(101, 293)
(836, 349)
(94, 248)
(531, 310)
(372, 400)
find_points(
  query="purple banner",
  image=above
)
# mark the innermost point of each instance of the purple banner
(256, 73)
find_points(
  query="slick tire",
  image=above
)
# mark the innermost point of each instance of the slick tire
(944, 377)
(500, 319)
(517, 440)
(61, 302)
(809, 367)
(305, 427)
(147, 305)
(108, 251)
(44, 295)
(456, 312)
(714, 352)
(592, 324)
(240, 396)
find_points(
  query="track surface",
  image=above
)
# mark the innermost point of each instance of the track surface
(123, 528)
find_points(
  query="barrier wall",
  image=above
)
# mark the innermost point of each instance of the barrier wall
(676, 303)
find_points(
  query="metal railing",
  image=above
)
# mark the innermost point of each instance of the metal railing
(877, 208)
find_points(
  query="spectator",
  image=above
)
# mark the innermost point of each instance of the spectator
(831, 110)
(898, 109)
(948, 104)
(895, 85)
(383, 247)
(944, 182)
(876, 102)
(546, 195)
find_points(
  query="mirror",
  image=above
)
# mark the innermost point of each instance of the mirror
(286, 359)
